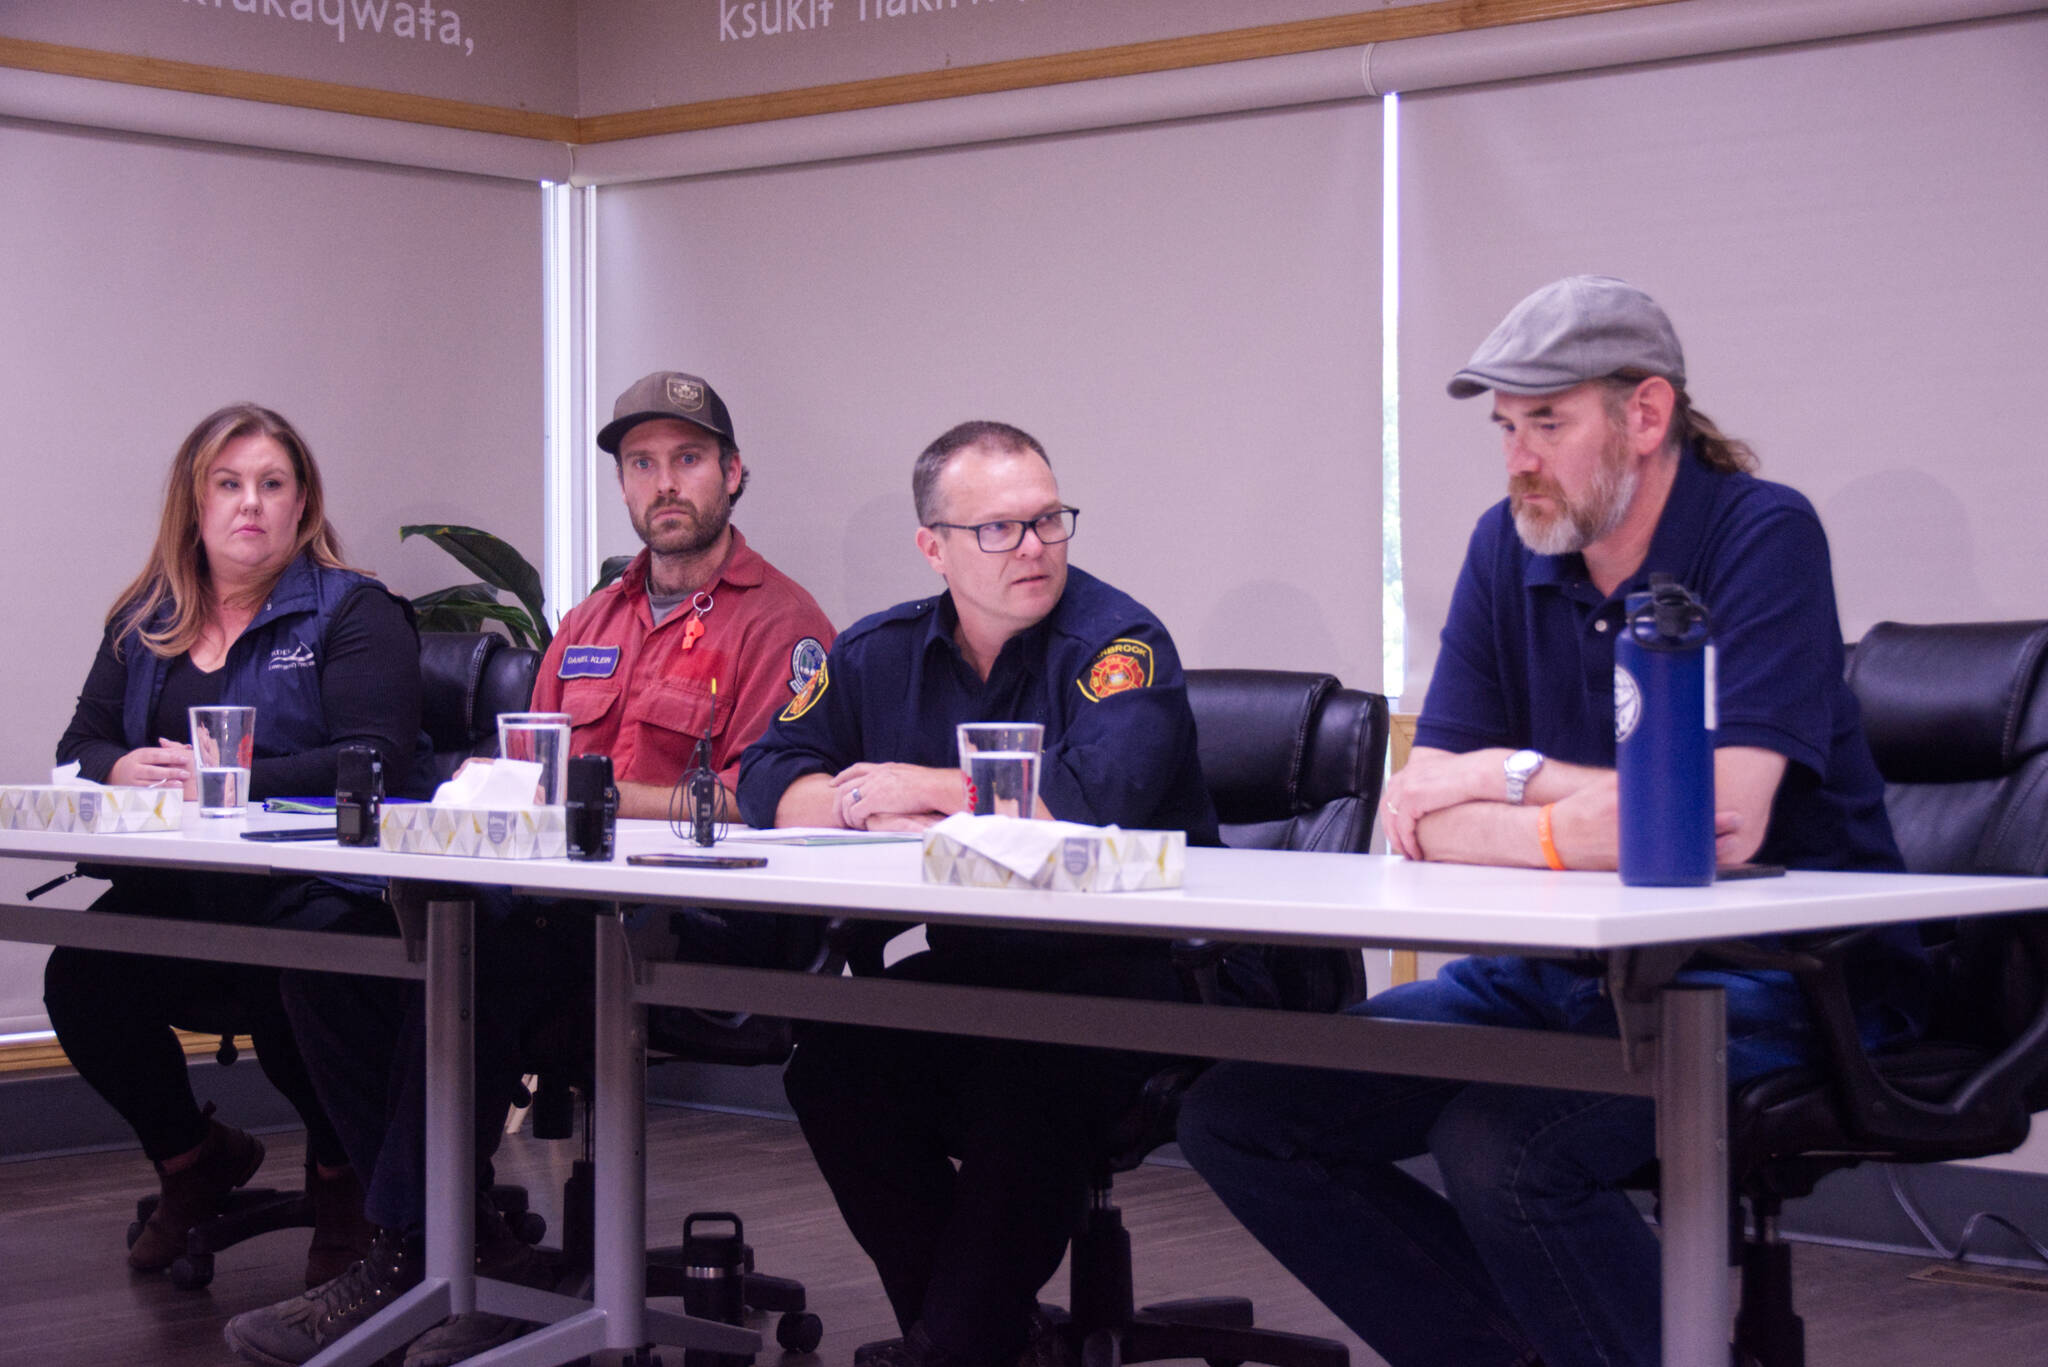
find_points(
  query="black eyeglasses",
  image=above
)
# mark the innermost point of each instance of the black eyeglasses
(1007, 535)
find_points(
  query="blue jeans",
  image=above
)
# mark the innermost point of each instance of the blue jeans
(1534, 1251)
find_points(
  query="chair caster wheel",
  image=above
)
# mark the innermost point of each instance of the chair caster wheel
(190, 1271)
(134, 1232)
(529, 1226)
(1102, 1349)
(799, 1331)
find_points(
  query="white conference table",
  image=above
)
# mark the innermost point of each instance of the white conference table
(1673, 1049)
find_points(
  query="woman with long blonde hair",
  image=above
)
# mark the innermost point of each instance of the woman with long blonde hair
(244, 599)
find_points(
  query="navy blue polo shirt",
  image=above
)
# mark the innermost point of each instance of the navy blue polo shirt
(1100, 673)
(1528, 657)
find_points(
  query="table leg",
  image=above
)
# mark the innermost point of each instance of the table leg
(619, 1252)
(450, 1284)
(1692, 1152)
(619, 1319)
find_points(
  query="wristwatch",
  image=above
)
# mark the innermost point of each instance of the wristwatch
(1520, 767)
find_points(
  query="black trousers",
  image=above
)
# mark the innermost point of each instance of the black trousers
(114, 1013)
(886, 1112)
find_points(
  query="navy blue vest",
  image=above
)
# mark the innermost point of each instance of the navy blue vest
(273, 666)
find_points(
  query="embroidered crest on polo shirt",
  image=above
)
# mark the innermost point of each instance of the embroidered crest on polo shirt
(588, 662)
(806, 658)
(299, 656)
(813, 689)
(687, 395)
(1119, 667)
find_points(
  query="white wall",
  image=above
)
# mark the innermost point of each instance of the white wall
(393, 316)
(1187, 315)
(1848, 238)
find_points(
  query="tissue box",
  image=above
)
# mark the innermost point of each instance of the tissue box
(479, 832)
(1106, 861)
(46, 807)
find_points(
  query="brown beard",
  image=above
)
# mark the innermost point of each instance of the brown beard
(699, 532)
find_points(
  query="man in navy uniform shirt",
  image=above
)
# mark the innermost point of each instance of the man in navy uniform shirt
(1535, 1252)
(869, 744)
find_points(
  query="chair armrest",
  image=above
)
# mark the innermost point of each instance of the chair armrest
(1877, 1113)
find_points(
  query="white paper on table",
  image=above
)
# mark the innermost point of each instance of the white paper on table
(66, 776)
(1019, 845)
(498, 786)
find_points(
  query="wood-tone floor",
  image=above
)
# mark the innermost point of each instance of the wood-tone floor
(67, 1299)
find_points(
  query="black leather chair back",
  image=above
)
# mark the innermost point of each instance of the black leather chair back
(466, 679)
(1958, 721)
(1293, 761)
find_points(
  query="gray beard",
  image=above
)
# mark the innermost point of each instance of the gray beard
(1579, 525)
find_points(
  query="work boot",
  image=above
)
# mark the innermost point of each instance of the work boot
(502, 1257)
(914, 1349)
(227, 1159)
(292, 1331)
(341, 1234)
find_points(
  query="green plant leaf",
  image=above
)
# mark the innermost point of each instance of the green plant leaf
(457, 613)
(610, 570)
(495, 562)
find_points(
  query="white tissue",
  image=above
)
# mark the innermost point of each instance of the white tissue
(66, 776)
(498, 786)
(1019, 845)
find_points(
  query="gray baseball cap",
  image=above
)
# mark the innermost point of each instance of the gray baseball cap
(666, 394)
(1576, 329)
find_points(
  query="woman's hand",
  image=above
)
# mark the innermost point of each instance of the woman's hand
(167, 764)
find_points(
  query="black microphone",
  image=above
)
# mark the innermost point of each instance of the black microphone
(703, 783)
(358, 795)
(592, 807)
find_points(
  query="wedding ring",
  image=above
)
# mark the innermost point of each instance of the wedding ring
(853, 798)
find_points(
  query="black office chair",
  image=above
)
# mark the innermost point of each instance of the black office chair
(1293, 762)
(466, 679)
(1957, 716)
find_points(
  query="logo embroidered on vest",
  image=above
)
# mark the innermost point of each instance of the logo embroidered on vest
(299, 656)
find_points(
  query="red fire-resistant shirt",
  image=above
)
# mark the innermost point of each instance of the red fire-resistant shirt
(634, 692)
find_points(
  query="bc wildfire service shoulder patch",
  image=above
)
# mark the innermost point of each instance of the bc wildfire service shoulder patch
(813, 689)
(806, 658)
(1119, 667)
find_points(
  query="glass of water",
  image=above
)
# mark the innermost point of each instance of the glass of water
(542, 738)
(223, 743)
(1000, 760)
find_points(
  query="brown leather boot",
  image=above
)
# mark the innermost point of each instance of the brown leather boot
(340, 1233)
(227, 1159)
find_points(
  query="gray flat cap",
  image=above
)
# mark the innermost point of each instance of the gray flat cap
(1576, 329)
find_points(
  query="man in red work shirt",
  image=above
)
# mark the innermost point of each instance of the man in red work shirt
(635, 664)
(699, 638)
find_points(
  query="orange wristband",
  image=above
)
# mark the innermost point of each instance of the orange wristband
(1543, 839)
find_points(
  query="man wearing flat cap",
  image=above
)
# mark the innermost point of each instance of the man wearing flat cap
(700, 639)
(1534, 1253)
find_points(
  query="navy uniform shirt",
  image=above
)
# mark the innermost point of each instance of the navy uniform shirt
(1528, 657)
(1099, 673)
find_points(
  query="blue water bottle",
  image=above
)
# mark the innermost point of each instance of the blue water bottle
(1663, 738)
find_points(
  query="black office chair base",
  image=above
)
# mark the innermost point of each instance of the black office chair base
(1107, 1332)
(245, 1213)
